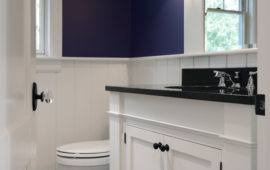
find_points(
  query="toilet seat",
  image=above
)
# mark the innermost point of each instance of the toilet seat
(91, 153)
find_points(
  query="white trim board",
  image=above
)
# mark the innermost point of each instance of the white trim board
(227, 139)
(208, 54)
(52, 59)
(46, 64)
(220, 53)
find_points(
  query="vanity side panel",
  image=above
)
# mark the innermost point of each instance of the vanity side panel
(236, 157)
(240, 122)
(116, 132)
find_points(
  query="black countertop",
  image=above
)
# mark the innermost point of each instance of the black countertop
(216, 94)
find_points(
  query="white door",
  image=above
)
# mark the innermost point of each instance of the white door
(264, 83)
(186, 155)
(140, 154)
(17, 57)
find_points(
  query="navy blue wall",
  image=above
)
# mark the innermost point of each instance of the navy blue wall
(157, 27)
(122, 28)
(96, 28)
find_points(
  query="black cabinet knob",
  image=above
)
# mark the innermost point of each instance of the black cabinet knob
(164, 148)
(157, 145)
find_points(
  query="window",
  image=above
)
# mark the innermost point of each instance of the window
(40, 27)
(225, 24)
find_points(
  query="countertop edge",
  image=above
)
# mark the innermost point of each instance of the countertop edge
(236, 99)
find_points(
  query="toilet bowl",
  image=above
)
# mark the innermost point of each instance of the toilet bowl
(90, 155)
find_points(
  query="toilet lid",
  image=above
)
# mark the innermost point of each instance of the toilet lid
(85, 149)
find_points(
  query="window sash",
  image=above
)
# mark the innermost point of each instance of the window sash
(243, 24)
(225, 11)
(242, 5)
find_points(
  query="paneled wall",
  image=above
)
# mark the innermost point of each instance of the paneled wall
(168, 71)
(80, 101)
(78, 112)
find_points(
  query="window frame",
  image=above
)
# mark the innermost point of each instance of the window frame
(42, 34)
(244, 6)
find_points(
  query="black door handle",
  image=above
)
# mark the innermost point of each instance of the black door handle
(43, 96)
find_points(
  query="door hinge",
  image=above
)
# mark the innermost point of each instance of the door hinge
(220, 166)
(260, 104)
(125, 138)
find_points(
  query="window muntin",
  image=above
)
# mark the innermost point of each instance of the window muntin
(225, 25)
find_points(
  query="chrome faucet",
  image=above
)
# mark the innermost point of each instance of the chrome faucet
(221, 75)
(250, 84)
(225, 76)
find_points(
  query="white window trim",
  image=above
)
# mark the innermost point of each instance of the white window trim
(53, 29)
(46, 28)
(42, 35)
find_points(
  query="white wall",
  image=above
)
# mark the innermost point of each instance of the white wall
(168, 71)
(80, 104)
(194, 26)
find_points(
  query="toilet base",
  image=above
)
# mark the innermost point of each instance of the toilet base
(64, 167)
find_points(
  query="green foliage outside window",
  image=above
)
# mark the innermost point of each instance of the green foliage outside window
(223, 31)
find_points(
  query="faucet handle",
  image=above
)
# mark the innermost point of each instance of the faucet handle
(236, 82)
(219, 73)
(222, 76)
(236, 74)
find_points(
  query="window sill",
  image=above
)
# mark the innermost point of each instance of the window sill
(47, 58)
(202, 54)
(45, 64)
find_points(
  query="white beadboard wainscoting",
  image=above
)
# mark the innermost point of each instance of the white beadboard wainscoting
(159, 70)
(78, 112)
(80, 101)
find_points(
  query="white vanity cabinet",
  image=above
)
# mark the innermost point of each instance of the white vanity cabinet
(201, 135)
(184, 155)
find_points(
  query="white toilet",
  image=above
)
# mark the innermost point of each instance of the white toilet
(92, 155)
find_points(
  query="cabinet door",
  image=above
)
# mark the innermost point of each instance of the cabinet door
(140, 154)
(187, 155)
